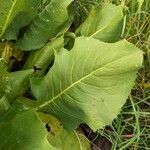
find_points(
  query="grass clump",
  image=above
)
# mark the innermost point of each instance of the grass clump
(131, 130)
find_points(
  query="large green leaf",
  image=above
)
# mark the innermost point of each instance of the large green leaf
(104, 23)
(90, 83)
(53, 20)
(22, 129)
(10, 9)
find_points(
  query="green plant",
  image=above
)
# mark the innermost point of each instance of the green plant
(65, 78)
(130, 130)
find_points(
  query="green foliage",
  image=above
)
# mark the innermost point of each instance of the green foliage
(22, 128)
(53, 20)
(57, 88)
(131, 130)
(19, 13)
(3, 77)
(105, 27)
(95, 79)
(45, 56)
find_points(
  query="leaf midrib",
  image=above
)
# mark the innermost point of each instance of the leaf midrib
(104, 27)
(8, 17)
(78, 81)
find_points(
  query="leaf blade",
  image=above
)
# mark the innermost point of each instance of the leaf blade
(9, 9)
(104, 23)
(75, 93)
(47, 25)
(22, 129)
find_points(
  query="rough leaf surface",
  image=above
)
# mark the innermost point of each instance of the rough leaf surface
(104, 23)
(90, 83)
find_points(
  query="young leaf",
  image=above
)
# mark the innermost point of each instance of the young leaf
(22, 129)
(53, 20)
(104, 23)
(57, 135)
(44, 57)
(10, 9)
(90, 83)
